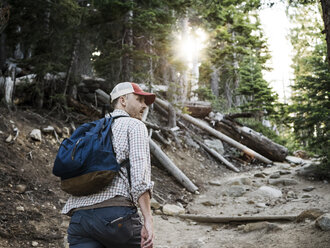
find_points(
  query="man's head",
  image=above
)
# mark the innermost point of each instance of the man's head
(131, 98)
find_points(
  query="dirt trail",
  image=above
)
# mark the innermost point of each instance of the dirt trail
(30, 197)
(218, 199)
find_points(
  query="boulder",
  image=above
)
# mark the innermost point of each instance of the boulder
(240, 181)
(235, 191)
(154, 204)
(294, 160)
(170, 209)
(49, 129)
(36, 134)
(267, 191)
(323, 222)
(216, 145)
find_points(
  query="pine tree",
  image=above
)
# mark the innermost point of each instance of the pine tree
(310, 102)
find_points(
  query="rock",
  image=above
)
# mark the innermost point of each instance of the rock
(20, 208)
(275, 175)
(240, 181)
(158, 212)
(283, 181)
(261, 205)
(210, 203)
(215, 144)
(21, 188)
(49, 129)
(36, 134)
(311, 214)
(66, 131)
(291, 194)
(190, 142)
(268, 192)
(306, 196)
(170, 209)
(34, 243)
(309, 189)
(261, 175)
(250, 227)
(10, 138)
(294, 160)
(235, 191)
(154, 204)
(323, 222)
(300, 154)
(215, 183)
(308, 170)
(196, 243)
(282, 166)
(283, 172)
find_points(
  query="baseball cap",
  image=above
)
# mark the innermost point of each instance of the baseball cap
(127, 88)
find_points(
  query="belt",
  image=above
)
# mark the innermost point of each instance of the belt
(117, 201)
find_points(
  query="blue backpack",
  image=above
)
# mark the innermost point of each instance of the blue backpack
(86, 162)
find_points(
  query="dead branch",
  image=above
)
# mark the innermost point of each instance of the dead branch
(218, 156)
(227, 219)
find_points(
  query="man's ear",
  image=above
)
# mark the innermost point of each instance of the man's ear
(122, 100)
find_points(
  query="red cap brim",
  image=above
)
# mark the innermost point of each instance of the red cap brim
(149, 98)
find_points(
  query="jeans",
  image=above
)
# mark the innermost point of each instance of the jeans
(109, 227)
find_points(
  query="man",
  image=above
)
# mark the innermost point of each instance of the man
(109, 218)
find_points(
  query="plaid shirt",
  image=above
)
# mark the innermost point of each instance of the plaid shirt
(130, 140)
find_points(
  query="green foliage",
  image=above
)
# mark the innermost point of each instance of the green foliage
(310, 108)
(259, 95)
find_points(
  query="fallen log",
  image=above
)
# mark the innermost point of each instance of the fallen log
(218, 134)
(227, 219)
(102, 96)
(253, 139)
(83, 108)
(218, 156)
(198, 109)
(171, 167)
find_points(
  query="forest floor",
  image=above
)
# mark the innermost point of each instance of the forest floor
(30, 197)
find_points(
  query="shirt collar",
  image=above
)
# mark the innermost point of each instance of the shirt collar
(117, 112)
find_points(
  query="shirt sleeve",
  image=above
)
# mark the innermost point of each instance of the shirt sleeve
(139, 156)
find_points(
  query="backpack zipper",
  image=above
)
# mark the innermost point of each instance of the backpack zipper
(74, 149)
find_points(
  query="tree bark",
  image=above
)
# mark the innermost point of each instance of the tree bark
(253, 139)
(326, 19)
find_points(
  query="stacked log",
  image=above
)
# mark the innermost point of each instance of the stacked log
(254, 140)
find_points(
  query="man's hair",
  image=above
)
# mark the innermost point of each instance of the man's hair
(115, 102)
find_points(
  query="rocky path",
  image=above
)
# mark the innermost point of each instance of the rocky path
(275, 190)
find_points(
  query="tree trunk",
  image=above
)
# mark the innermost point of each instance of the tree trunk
(3, 55)
(236, 74)
(215, 81)
(128, 46)
(253, 139)
(73, 58)
(326, 19)
(171, 116)
(172, 96)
